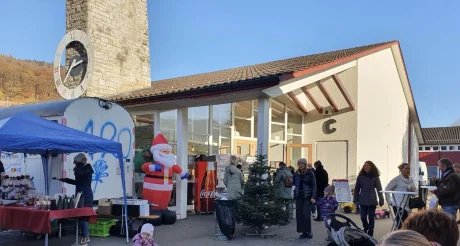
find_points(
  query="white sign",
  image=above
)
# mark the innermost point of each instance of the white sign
(342, 191)
(13, 163)
(222, 162)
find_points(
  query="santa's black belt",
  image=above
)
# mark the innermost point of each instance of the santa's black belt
(158, 177)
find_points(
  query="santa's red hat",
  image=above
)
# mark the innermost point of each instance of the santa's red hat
(160, 142)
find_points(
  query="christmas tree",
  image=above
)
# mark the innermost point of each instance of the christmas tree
(260, 205)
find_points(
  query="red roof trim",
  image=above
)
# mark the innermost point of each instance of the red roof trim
(336, 62)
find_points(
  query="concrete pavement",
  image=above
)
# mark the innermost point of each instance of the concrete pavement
(198, 230)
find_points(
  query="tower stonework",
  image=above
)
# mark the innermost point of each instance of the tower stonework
(118, 30)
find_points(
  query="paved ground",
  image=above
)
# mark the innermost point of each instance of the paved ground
(199, 231)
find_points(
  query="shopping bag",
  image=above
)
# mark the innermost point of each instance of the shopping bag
(225, 217)
(434, 202)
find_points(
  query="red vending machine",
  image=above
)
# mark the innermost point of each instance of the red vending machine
(205, 185)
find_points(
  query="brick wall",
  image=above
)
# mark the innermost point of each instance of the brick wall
(118, 30)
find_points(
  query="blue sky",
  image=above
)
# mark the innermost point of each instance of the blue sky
(190, 37)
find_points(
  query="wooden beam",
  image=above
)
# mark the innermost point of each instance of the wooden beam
(327, 95)
(344, 92)
(312, 99)
(296, 101)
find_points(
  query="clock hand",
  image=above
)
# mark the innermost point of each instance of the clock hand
(68, 72)
(78, 63)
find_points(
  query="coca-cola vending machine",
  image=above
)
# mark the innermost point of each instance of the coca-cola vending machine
(205, 185)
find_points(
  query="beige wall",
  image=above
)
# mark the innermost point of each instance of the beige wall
(382, 115)
(346, 125)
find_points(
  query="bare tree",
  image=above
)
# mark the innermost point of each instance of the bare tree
(456, 123)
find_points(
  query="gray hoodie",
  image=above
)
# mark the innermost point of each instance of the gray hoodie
(233, 180)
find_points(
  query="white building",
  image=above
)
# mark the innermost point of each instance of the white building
(342, 107)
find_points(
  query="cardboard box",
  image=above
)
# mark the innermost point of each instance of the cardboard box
(104, 207)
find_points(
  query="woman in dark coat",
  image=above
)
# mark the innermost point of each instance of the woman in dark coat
(83, 178)
(367, 189)
(304, 195)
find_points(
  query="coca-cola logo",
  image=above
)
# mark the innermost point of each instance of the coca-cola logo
(207, 194)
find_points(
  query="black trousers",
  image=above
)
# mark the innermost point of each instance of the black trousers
(303, 214)
(403, 218)
(368, 218)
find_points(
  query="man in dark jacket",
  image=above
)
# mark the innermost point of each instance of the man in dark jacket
(83, 178)
(448, 187)
(322, 181)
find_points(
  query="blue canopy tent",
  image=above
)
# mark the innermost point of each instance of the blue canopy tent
(30, 134)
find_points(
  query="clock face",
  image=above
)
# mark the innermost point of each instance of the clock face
(72, 79)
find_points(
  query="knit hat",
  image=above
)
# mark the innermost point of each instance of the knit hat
(329, 190)
(79, 158)
(302, 160)
(148, 228)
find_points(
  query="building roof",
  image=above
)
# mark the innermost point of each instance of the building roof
(247, 74)
(441, 135)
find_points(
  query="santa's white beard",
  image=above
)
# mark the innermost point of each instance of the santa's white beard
(166, 160)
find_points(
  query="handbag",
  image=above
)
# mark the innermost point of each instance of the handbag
(416, 202)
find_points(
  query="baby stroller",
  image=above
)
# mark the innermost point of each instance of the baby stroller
(346, 232)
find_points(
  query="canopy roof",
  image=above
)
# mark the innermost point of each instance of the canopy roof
(27, 133)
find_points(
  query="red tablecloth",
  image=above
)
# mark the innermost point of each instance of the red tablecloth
(38, 221)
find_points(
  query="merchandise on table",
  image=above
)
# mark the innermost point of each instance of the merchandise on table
(15, 187)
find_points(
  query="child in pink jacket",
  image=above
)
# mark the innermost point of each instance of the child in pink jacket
(145, 237)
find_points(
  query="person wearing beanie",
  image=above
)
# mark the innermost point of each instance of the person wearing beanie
(83, 172)
(145, 237)
(304, 196)
(328, 204)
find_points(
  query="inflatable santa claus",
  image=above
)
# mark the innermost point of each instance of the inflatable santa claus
(158, 183)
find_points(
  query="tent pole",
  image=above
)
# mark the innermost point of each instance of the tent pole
(123, 183)
(48, 161)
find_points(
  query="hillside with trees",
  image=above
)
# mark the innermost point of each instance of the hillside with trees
(26, 81)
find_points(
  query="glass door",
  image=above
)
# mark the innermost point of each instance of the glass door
(294, 153)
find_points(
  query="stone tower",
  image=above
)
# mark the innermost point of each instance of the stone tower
(118, 30)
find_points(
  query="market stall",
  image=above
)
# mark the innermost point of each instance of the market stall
(29, 134)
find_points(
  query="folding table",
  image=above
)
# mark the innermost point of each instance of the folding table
(399, 207)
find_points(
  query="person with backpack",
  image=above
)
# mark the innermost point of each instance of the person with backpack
(285, 181)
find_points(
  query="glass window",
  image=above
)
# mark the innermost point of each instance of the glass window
(435, 148)
(224, 148)
(291, 139)
(168, 125)
(198, 120)
(277, 112)
(294, 122)
(276, 152)
(220, 131)
(277, 132)
(197, 148)
(458, 147)
(451, 147)
(255, 124)
(242, 128)
(222, 114)
(243, 109)
(197, 138)
(443, 147)
(420, 148)
(427, 148)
